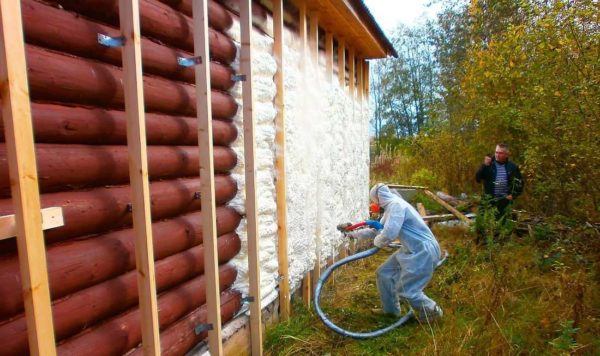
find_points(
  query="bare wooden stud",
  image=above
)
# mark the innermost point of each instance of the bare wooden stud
(133, 83)
(359, 80)
(250, 175)
(18, 128)
(314, 39)
(367, 84)
(51, 218)
(351, 70)
(302, 29)
(280, 182)
(342, 62)
(207, 181)
(307, 288)
(329, 56)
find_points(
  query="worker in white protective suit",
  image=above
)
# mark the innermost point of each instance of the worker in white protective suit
(408, 271)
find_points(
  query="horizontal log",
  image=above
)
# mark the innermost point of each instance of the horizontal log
(69, 167)
(181, 336)
(103, 209)
(57, 77)
(218, 16)
(65, 31)
(65, 124)
(157, 20)
(78, 311)
(121, 334)
(79, 264)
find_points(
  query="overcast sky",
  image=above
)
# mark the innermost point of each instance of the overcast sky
(389, 13)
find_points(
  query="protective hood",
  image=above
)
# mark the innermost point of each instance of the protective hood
(382, 195)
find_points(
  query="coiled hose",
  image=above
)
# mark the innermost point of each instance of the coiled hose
(337, 329)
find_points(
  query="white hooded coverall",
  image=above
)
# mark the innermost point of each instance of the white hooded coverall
(408, 271)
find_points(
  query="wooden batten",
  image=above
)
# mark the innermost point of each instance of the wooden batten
(129, 14)
(359, 80)
(303, 33)
(250, 175)
(367, 78)
(280, 182)
(329, 56)
(313, 41)
(342, 62)
(352, 72)
(18, 126)
(207, 190)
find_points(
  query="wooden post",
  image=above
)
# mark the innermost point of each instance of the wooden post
(250, 169)
(306, 289)
(314, 39)
(302, 29)
(342, 62)
(329, 56)
(207, 181)
(359, 80)
(133, 83)
(351, 70)
(367, 84)
(456, 213)
(18, 128)
(280, 183)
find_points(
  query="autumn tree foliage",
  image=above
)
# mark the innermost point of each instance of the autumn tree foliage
(524, 72)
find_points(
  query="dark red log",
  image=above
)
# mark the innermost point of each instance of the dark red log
(181, 337)
(65, 31)
(121, 334)
(79, 264)
(77, 311)
(218, 16)
(56, 77)
(159, 21)
(68, 167)
(102, 209)
(65, 124)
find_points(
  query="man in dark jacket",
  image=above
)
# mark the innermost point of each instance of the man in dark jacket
(502, 180)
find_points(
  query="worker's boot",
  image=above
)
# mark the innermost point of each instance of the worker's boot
(426, 315)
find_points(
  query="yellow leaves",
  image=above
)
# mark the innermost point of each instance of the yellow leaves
(557, 93)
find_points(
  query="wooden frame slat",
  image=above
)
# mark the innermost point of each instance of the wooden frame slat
(18, 128)
(314, 40)
(351, 70)
(342, 62)
(280, 182)
(133, 83)
(367, 78)
(51, 218)
(329, 56)
(359, 81)
(207, 182)
(250, 175)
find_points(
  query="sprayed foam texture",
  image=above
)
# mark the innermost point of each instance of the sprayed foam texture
(326, 159)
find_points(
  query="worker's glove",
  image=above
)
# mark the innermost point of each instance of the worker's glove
(381, 241)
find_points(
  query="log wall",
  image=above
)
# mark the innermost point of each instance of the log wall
(81, 151)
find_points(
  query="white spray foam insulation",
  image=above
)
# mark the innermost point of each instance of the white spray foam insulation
(326, 158)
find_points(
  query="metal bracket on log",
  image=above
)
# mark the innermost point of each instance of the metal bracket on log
(108, 41)
(248, 299)
(238, 77)
(202, 328)
(189, 62)
(51, 218)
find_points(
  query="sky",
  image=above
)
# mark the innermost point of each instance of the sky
(389, 13)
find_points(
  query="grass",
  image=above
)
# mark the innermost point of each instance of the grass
(534, 294)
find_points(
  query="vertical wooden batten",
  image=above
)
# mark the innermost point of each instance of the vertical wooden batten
(314, 40)
(367, 78)
(359, 81)
(207, 181)
(18, 128)
(329, 56)
(303, 33)
(250, 175)
(280, 182)
(351, 72)
(342, 62)
(133, 83)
